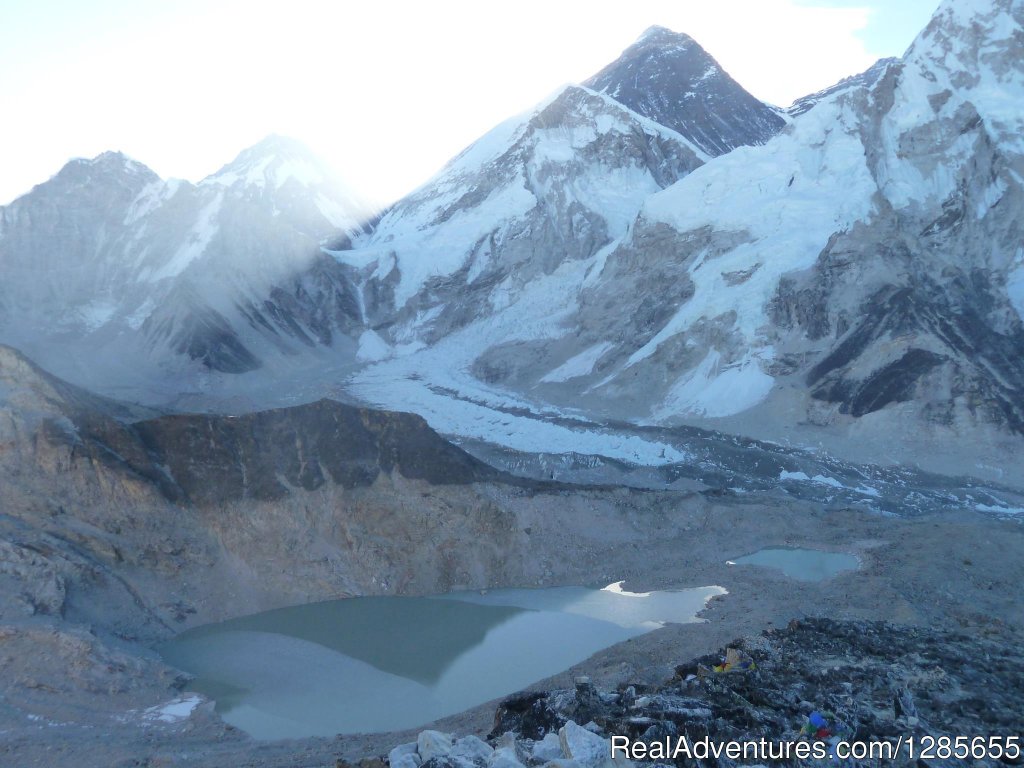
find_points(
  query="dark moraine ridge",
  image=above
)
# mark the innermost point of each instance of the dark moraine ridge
(211, 459)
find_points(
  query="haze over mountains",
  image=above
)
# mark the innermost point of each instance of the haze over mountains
(645, 328)
(652, 247)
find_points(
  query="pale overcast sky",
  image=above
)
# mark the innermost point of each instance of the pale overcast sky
(386, 92)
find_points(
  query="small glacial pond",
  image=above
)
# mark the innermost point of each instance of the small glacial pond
(802, 564)
(386, 663)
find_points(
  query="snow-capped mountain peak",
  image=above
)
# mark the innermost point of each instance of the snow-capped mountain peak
(284, 173)
(110, 166)
(554, 185)
(114, 160)
(666, 76)
(271, 163)
(974, 46)
(863, 268)
(665, 39)
(106, 261)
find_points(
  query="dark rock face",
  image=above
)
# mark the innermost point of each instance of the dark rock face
(206, 336)
(670, 79)
(216, 459)
(881, 680)
(530, 715)
(910, 309)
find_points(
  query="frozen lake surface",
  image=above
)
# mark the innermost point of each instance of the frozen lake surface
(802, 564)
(374, 664)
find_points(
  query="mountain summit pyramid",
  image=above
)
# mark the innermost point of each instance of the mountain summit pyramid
(667, 77)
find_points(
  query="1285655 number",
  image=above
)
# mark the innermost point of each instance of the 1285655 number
(964, 747)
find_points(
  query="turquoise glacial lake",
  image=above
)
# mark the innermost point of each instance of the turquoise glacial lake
(802, 564)
(373, 664)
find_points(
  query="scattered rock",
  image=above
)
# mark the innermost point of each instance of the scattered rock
(880, 680)
(506, 757)
(528, 714)
(588, 700)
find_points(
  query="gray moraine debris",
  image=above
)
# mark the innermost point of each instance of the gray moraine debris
(870, 682)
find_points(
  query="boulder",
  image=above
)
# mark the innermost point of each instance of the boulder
(405, 761)
(472, 748)
(583, 746)
(431, 744)
(547, 749)
(528, 714)
(408, 748)
(505, 757)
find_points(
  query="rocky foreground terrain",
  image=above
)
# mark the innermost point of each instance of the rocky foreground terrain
(816, 680)
(120, 528)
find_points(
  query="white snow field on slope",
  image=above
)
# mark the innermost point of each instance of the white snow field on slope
(578, 365)
(714, 391)
(788, 197)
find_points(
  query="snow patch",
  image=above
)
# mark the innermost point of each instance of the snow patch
(579, 365)
(714, 391)
(138, 317)
(97, 313)
(196, 241)
(174, 711)
(801, 476)
(829, 481)
(999, 510)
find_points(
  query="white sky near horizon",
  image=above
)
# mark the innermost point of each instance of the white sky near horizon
(385, 92)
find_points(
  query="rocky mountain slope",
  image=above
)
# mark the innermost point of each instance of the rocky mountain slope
(536, 194)
(865, 79)
(137, 524)
(667, 77)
